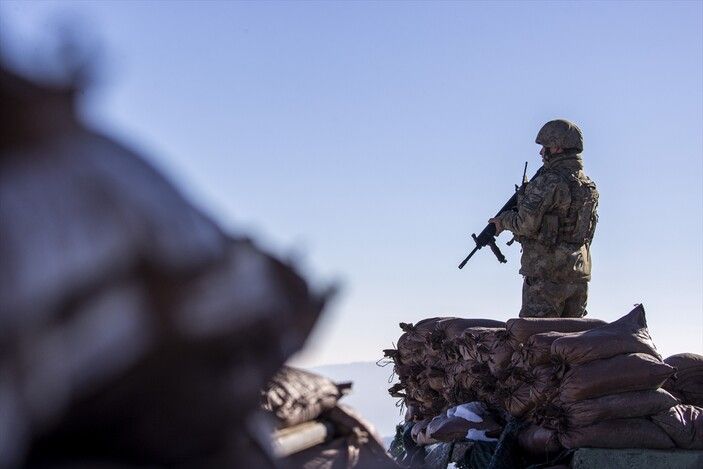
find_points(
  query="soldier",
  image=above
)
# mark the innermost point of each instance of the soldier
(554, 222)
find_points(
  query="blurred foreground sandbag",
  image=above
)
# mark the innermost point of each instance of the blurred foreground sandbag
(295, 396)
(132, 329)
(683, 424)
(687, 383)
(355, 444)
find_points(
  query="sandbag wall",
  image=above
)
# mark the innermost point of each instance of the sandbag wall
(575, 382)
(441, 362)
(608, 381)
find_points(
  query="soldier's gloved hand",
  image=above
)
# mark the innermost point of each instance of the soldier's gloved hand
(498, 224)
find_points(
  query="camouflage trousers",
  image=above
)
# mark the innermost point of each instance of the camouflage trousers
(544, 299)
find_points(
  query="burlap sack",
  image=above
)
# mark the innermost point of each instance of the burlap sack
(435, 378)
(623, 373)
(356, 445)
(628, 334)
(460, 372)
(451, 429)
(620, 433)
(452, 328)
(526, 389)
(421, 343)
(687, 383)
(295, 396)
(415, 339)
(617, 406)
(539, 441)
(457, 394)
(522, 328)
(477, 343)
(487, 389)
(501, 352)
(431, 402)
(683, 424)
(419, 433)
(537, 350)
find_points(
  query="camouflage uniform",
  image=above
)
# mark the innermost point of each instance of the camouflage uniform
(555, 221)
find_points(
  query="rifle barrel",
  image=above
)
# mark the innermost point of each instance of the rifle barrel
(463, 263)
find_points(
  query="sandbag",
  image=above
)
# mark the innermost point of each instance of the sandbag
(350, 452)
(526, 389)
(414, 340)
(486, 386)
(454, 327)
(451, 429)
(419, 433)
(426, 337)
(470, 420)
(629, 334)
(538, 441)
(295, 396)
(537, 350)
(617, 406)
(620, 433)
(683, 424)
(476, 343)
(623, 373)
(501, 353)
(687, 383)
(435, 378)
(448, 429)
(522, 328)
(461, 373)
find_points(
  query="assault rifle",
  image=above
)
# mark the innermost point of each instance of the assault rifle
(487, 237)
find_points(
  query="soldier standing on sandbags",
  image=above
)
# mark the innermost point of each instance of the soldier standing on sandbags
(554, 222)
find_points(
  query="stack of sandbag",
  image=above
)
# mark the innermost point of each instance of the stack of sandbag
(610, 387)
(415, 364)
(485, 354)
(575, 382)
(684, 422)
(313, 430)
(530, 379)
(443, 362)
(432, 366)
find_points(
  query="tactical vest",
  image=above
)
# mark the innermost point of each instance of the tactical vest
(575, 224)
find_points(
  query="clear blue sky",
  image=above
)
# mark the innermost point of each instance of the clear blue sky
(371, 139)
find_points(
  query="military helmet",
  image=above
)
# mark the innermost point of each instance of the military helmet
(560, 133)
